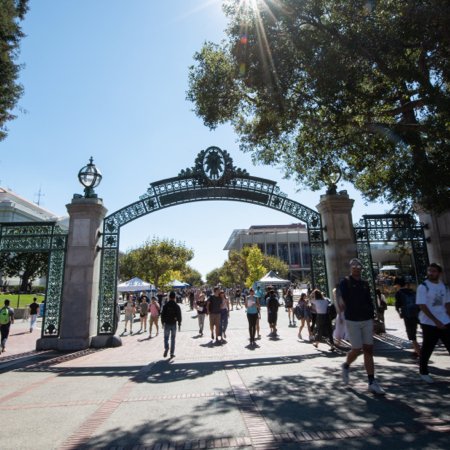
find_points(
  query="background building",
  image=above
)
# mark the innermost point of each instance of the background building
(288, 242)
(14, 208)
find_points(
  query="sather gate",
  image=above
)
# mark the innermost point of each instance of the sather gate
(213, 177)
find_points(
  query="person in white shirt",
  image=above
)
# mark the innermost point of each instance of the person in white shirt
(433, 298)
(323, 319)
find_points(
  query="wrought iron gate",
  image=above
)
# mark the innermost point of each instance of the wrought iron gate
(401, 228)
(41, 237)
(213, 177)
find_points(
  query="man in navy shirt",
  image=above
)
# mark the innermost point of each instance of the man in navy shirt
(359, 312)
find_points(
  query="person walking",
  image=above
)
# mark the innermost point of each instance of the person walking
(33, 309)
(154, 310)
(224, 313)
(433, 298)
(6, 319)
(340, 329)
(323, 321)
(201, 312)
(289, 305)
(272, 311)
(130, 311)
(252, 307)
(170, 317)
(303, 313)
(359, 313)
(408, 310)
(143, 313)
(214, 304)
(381, 304)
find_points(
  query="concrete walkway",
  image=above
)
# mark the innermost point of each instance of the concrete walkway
(283, 394)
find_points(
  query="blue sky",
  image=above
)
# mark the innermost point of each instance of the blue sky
(108, 79)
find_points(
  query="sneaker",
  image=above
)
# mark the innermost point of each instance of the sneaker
(172, 355)
(427, 378)
(165, 353)
(345, 374)
(375, 388)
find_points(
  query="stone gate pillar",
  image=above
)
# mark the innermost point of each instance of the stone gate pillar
(340, 244)
(437, 232)
(81, 277)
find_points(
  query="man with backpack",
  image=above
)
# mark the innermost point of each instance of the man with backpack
(170, 316)
(6, 319)
(433, 298)
(359, 312)
(408, 310)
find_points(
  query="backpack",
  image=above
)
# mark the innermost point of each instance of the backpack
(5, 316)
(298, 312)
(332, 313)
(410, 309)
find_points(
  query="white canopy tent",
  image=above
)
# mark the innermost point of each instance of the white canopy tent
(135, 285)
(177, 284)
(388, 268)
(272, 278)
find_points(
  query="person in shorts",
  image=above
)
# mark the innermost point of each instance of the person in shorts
(143, 313)
(154, 309)
(359, 313)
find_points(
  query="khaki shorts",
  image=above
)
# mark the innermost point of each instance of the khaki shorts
(214, 320)
(360, 333)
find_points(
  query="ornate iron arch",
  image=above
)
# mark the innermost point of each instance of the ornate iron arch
(213, 177)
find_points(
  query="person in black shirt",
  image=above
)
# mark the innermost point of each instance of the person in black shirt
(359, 312)
(272, 311)
(170, 315)
(34, 308)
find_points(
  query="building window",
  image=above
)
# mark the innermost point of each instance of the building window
(295, 254)
(272, 249)
(306, 254)
(283, 252)
(261, 247)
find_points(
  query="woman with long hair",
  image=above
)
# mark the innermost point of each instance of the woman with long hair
(304, 314)
(252, 308)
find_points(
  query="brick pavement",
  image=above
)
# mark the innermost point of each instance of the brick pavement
(283, 394)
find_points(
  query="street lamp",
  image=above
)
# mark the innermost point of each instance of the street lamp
(332, 177)
(90, 177)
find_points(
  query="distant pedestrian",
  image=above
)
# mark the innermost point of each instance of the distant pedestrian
(130, 311)
(214, 304)
(433, 297)
(359, 313)
(224, 313)
(252, 308)
(33, 309)
(201, 312)
(340, 328)
(303, 312)
(170, 318)
(154, 310)
(324, 326)
(6, 319)
(289, 305)
(381, 304)
(143, 313)
(408, 310)
(272, 311)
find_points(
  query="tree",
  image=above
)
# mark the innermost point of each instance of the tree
(155, 258)
(192, 276)
(11, 13)
(27, 266)
(315, 85)
(246, 266)
(254, 261)
(213, 277)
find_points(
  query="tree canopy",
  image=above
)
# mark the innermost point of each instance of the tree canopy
(244, 267)
(315, 85)
(11, 13)
(156, 260)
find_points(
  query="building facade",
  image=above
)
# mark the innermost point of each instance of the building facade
(14, 208)
(287, 242)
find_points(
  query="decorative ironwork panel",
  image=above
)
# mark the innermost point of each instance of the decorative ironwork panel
(402, 228)
(42, 237)
(213, 177)
(108, 286)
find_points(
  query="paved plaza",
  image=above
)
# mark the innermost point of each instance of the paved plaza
(283, 394)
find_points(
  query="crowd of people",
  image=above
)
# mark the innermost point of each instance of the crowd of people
(347, 319)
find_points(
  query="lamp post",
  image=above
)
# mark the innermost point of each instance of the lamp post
(20, 287)
(90, 177)
(332, 176)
